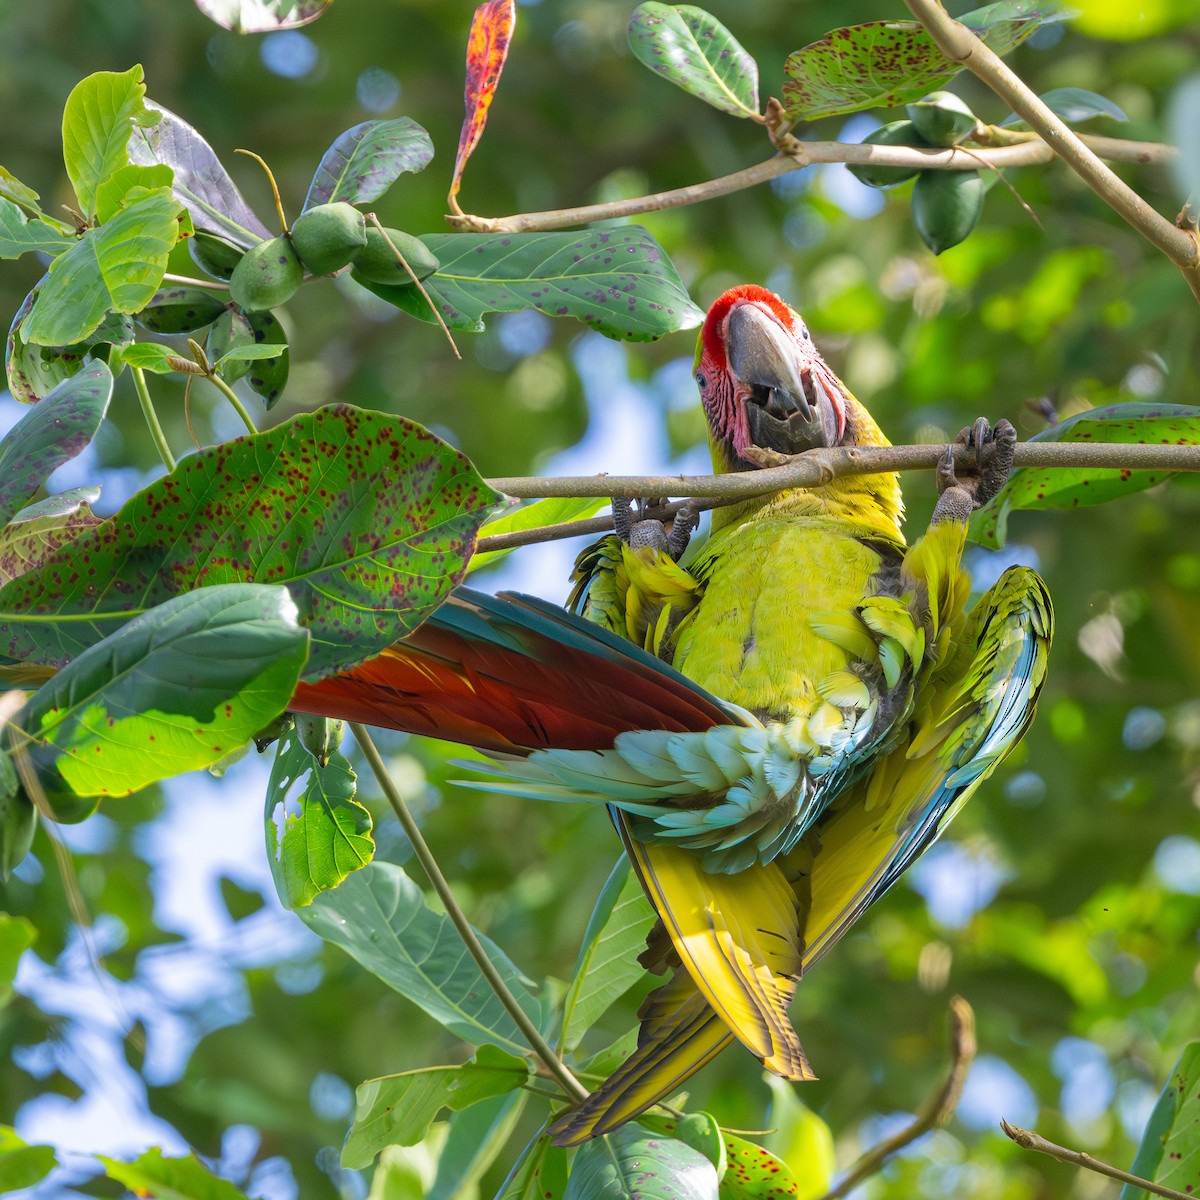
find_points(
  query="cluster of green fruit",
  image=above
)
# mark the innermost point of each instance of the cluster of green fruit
(324, 239)
(945, 204)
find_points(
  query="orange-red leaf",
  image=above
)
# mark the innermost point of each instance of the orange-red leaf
(487, 48)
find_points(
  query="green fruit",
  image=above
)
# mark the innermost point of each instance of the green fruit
(946, 206)
(267, 276)
(941, 118)
(377, 262)
(327, 237)
(320, 736)
(180, 310)
(213, 255)
(897, 133)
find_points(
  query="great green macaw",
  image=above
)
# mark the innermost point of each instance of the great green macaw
(777, 729)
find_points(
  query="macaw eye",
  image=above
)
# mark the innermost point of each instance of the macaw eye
(804, 331)
(701, 380)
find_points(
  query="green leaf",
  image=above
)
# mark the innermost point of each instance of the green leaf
(539, 1174)
(635, 1162)
(1075, 487)
(1074, 105)
(886, 63)
(608, 959)
(269, 376)
(380, 918)
(25, 235)
(537, 515)
(178, 309)
(365, 161)
(50, 434)
(698, 1130)
(398, 1109)
(98, 121)
(153, 1174)
(127, 185)
(17, 934)
(116, 267)
(11, 188)
(230, 330)
(617, 280)
(149, 356)
(247, 354)
(18, 824)
(800, 1138)
(367, 518)
(1169, 1153)
(173, 691)
(753, 1173)
(317, 833)
(694, 51)
(38, 531)
(262, 16)
(22, 1165)
(476, 1137)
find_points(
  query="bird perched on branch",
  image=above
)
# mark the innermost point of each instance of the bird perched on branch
(778, 729)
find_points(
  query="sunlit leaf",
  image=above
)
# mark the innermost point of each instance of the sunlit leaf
(17, 934)
(50, 434)
(632, 1161)
(128, 184)
(476, 1136)
(801, 1139)
(176, 689)
(1074, 105)
(20, 234)
(365, 161)
(694, 51)
(398, 1109)
(553, 511)
(22, 1165)
(886, 63)
(487, 48)
(1074, 487)
(155, 1175)
(380, 918)
(262, 16)
(317, 833)
(116, 267)
(1169, 1153)
(617, 280)
(11, 188)
(249, 354)
(36, 532)
(201, 183)
(539, 1174)
(753, 1173)
(698, 1130)
(367, 518)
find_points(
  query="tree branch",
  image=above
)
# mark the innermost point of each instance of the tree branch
(819, 467)
(938, 1108)
(1027, 1139)
(959, 44)
(1028, 152)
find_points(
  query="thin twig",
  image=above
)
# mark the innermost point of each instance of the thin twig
(961, 45)
(156, 430)
(1024, 154)
(238, 407)
(1027, 1139)
(815, 468)
(938, 1108)
(487, 968)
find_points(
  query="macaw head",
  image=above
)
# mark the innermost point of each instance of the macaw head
(763, 382)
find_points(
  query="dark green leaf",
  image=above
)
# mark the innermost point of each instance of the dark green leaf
(201, 184)
(116, 267)
(177, 309)
(153, 1174)
(50, 434)
(22, 235)
(262, 16)
(21, 1165)
(694, 51)
(18, 824)
(536, 515)
(17, 934)
(98, 120)
(269, 376)
(36, 532)
(540, 1173)
(398, 1109)
(367, 518)
(616, 280)
(365, 161)
(174, 690)
(885, 63)
(229, 331)
(1074, 487)
(635, 1162)
(317, 833)
(1169, 1153)
(1074, 105)
(380, 918)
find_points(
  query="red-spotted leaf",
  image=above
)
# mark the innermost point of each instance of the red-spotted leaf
(262, 16)
(368, 519)
(176, 689)
(487, 48)
(886, 63)
(201, 183)
(51, 433)
(365, 161)
(1170, 1150)
(752, 1173)
(1074, 487)
(616, 280)
(36, 532)
(694, 51)
(632, 1161)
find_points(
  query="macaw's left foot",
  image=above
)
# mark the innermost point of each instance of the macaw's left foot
(963, 485)
(640, 531)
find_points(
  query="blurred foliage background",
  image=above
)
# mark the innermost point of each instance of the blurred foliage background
(1065, 902)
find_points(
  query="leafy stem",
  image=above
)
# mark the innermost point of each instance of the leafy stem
(156, 429)
(554, 1065)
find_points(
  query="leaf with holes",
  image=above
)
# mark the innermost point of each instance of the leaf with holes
(175, 690)
(36, 532)
(369, 520)
(201, 185)
(886, 63)
(694, 51)
(365, 161)
(618, 281)
(487, 48)
(317, 833)
(1074, 487)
